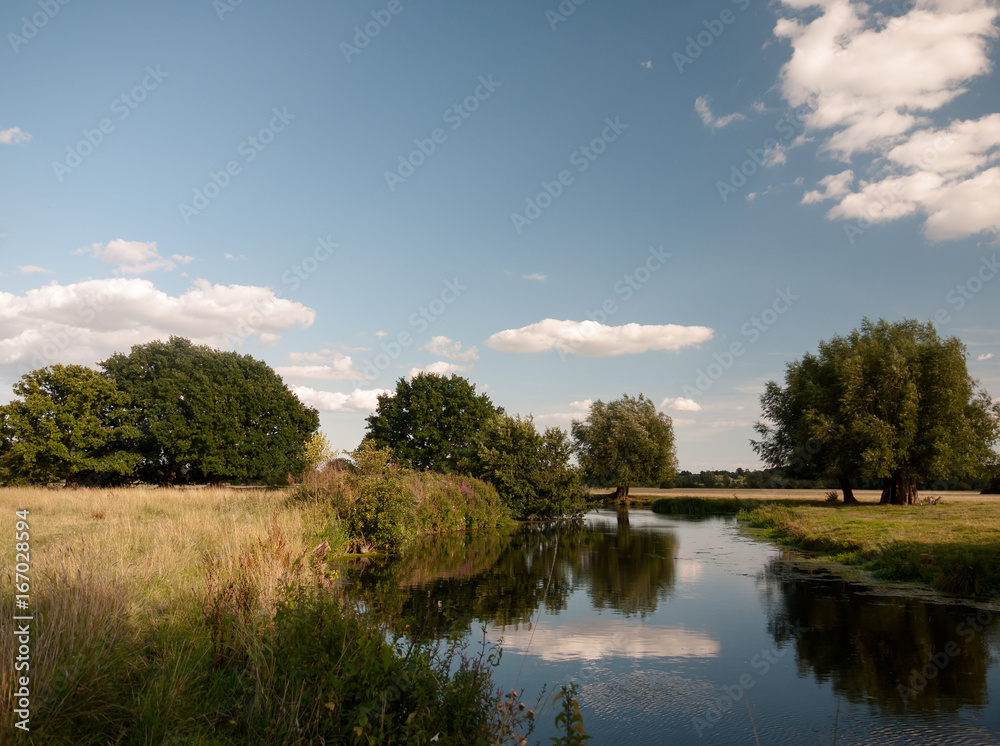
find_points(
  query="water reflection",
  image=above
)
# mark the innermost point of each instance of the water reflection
(901, 655)
(444, 583)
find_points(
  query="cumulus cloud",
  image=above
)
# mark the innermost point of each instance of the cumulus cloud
(440, 368)
(703, 106)
(591, 339)
(444, 347)
(834, 186)
(680, 404)
(538, 276)
(985, 356)
(582, 406)
(873, 84)
(359, 400)
(87, 321)
(31, 269)
(133, 257)
(325, 364)
(14, 136)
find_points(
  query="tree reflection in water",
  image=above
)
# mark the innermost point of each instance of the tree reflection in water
(442, 584)
(869, 646)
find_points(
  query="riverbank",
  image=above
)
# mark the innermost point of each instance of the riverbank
(953, 546)
(212, 616)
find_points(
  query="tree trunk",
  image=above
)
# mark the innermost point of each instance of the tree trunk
(899, 489)
(623, 515)
(621, 494)
(845, 486)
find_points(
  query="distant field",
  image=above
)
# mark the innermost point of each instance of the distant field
(865, 496)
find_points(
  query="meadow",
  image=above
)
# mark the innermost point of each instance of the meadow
(212, 616)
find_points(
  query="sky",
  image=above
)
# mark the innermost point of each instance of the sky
(563, 201)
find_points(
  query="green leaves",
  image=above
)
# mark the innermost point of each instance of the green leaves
(70, 423)
(431, 422)
(626, 442)
(888, 400)
(208, 415)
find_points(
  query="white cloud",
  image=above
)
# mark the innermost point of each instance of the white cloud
(359, 400)
(133, 257)
(834, 186)
(985, 356)
(14, 136)
(87, 321)
(444, 347)
(680, 404)
(597, 639)
(582, 406)
(440, 368)
(536, 276)
(326, 365)
(30, 269)
(702, 105)
(591, 339)
(924, 60)
(381, 333)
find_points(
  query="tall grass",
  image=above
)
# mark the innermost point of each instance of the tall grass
(211, 617)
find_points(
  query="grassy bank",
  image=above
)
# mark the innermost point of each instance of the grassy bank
(212, 617)
(954, 546)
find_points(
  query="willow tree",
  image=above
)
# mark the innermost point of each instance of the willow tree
(890, 400)
(626, 442)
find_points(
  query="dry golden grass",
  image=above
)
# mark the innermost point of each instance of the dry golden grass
(121, 563)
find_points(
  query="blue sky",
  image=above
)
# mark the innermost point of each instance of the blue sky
(563, 202)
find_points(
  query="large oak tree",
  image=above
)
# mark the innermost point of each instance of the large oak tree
(208, 415)
(890, 400)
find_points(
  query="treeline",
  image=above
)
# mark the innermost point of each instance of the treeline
(779, 479)
(166, 413)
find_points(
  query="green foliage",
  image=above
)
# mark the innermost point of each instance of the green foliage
(70, 423)
(431, 422)
(569, 718)
(891, 401)
(531, 471)
(626, 442)
(381, 505)
(208, 415)
(381, 512)
(318, 452)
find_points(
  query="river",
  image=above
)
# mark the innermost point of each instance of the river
(692, 631)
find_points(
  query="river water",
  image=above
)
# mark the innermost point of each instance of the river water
(691, 631)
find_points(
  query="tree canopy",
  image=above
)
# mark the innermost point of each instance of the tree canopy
(891, 401)
(531, 471)
(431, 422)
(626, 442)
(209, 415)
(70, 423)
